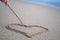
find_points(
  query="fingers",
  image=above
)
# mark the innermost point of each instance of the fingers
(5, 2)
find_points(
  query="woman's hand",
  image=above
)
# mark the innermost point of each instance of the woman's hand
(5, 2)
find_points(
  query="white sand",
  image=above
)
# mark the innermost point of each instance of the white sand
(30, 14)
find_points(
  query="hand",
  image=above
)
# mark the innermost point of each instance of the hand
(5, 2)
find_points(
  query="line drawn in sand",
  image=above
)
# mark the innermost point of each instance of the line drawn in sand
(23, 25)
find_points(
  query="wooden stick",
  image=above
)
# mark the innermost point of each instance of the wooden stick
(15, 14)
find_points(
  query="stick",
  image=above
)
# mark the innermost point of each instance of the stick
(15, 14)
